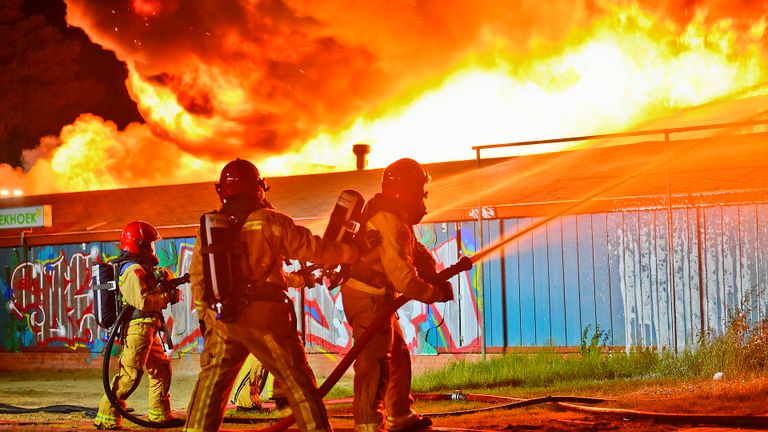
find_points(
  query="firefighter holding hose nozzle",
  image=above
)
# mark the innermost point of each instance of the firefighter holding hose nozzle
(240, 294)
(382, 381)
(143, 286)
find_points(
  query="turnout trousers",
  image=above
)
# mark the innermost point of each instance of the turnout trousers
(142, 351)
(382, 379)
(266, 329)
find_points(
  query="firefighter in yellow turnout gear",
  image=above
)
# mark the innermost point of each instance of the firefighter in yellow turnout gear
(382, 380)
(246, 393)
(265, 325)
(142, 349)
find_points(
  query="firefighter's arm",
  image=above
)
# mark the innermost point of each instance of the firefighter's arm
(299, 243)
(425, 263)
(163, 273)
(397, 260)
(137, 293)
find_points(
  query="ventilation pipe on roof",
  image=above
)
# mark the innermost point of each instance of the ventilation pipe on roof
(361, 150)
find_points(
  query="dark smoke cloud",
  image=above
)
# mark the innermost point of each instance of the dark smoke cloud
(311, 66)
(308, 66)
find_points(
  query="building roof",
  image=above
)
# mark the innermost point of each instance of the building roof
(652, 174)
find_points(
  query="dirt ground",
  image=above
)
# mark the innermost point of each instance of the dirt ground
(726, 397)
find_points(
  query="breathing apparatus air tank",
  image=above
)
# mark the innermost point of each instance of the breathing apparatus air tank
(343, 225)
(221, 251)
(344, 222)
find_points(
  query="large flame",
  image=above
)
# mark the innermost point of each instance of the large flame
(294, 87)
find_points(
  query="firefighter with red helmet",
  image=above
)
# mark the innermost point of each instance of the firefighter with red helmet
(382, 380)
(142, 349)
(264, 321)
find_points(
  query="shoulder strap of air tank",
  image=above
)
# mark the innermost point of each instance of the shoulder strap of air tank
(119, 272)
(376, 204)
(123, 266)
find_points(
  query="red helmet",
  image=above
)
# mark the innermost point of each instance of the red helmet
(239, 177)
(405, 180)
(137, 237)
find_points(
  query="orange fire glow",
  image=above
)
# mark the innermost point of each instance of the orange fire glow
(296, 97)
(147, 8)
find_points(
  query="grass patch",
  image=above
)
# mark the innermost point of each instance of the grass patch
(543, 369)
(741, 351)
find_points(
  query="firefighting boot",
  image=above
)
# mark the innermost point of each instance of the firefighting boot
(255, 408)
(106, 417)
(412, 423)
(108, 422)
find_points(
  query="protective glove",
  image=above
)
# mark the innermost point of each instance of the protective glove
(446, 291)
(162, 274)
(303, 278)
(310, 280)
(173, 296)
(425, 264)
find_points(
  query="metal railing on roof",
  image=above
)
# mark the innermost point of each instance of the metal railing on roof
(666, 132)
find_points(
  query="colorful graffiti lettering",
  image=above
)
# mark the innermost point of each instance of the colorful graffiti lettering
(52, 296)
(49, 303)
(48, 300)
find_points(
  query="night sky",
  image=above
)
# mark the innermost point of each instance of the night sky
(38, 92)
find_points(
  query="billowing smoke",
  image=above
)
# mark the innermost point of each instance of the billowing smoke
(218, 79)
(276, 73)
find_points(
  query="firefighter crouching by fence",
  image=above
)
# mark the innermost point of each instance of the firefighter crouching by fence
(382, 380)
(142, 349)
(253, 314)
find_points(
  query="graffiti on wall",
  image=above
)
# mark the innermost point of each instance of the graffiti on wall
(49, 304)
(425, 327)
(48, 298)
(650, 278)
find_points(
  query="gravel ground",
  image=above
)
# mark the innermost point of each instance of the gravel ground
(743, 397)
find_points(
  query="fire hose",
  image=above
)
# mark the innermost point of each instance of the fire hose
(463, 264)
(113, 399)
(500, 402)
(745, 421)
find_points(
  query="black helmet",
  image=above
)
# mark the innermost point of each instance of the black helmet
(239, 177)
(404, 180)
